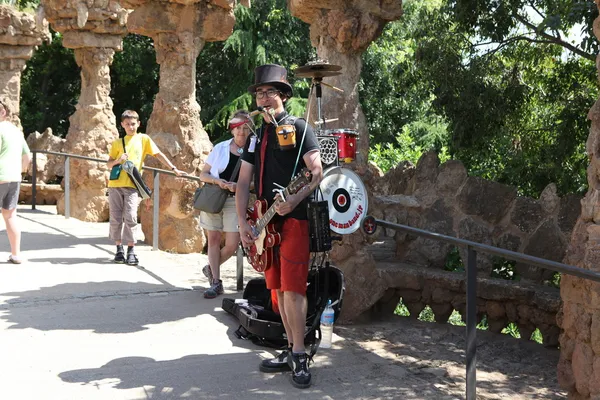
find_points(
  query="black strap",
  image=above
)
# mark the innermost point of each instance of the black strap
(124, 149)
(236, 170)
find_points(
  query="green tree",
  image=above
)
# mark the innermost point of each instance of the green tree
(264, 33)
(134, 77)
(515, 109)
(50, 87)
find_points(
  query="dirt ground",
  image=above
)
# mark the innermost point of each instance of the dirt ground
(430, 359)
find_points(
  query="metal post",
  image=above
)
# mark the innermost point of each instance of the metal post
(471, 323)
(33, 180)
(239, 272)
(156, 200)
(67, 179)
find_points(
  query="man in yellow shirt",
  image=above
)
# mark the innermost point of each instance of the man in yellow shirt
(123, 197)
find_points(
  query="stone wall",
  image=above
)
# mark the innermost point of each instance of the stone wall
(579, 365)
(442, 198)
(20, 34)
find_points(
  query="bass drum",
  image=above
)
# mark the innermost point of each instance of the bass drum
(347, 199)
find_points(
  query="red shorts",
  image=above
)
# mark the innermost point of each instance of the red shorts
(290, 272)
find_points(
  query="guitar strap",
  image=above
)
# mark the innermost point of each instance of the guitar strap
(263, 152)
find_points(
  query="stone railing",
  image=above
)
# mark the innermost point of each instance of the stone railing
(528, 305)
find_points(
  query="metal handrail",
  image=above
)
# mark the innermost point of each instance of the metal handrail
(370, 225)
(155, 198)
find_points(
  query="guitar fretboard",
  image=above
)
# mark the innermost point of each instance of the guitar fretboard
(266, 218)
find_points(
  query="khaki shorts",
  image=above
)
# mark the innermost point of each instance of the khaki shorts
(225, 221)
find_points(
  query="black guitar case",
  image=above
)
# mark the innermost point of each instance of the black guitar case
(262, 325)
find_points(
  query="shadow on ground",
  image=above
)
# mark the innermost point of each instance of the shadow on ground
(93, 305)
(348, 372)
(506, 367)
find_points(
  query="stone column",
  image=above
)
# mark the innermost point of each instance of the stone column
(95, 31)
(179, 33)
(579, 319)
(92, 129)
(341, 30)
(19, 36)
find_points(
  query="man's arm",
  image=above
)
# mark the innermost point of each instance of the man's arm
(242, 195)
(312, 159)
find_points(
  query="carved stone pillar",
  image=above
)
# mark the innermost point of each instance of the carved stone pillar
(179, 33)
(95, 32)
(341, 30)
(19, 36)
(579, 319)
(92, 129)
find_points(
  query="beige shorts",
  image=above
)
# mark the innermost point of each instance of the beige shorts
(225, 221)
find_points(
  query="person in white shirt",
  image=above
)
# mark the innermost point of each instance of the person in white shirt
(220, 169)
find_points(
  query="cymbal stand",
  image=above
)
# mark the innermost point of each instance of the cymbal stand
(316, 81)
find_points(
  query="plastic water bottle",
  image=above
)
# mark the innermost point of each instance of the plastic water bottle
(327, 326)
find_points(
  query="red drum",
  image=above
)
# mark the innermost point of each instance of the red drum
(346, 143)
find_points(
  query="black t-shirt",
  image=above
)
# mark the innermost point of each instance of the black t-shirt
(226, 174)
(279, 164)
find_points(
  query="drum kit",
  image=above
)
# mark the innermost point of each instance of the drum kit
(343, 189)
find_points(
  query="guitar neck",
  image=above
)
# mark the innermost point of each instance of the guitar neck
(268, 216)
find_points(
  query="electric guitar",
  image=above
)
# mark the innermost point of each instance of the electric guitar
(260, 254)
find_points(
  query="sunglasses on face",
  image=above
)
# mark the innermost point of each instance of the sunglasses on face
(269, 93)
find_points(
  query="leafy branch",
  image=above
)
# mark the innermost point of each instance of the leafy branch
(551, 38)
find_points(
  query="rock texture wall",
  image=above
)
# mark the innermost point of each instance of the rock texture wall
(579, 365)
(179, 31)
(341, 30)
(48, 167)
(20, 34)
(443, 199)
(94, 29)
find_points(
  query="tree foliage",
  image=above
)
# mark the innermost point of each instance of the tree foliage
(50, 87)
(503, 86)
(264, 33)
(515, 109)
(134, 77)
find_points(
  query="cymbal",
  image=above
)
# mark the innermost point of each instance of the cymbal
(316, 74)
(317, 70)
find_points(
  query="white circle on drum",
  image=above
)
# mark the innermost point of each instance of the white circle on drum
(346, 197)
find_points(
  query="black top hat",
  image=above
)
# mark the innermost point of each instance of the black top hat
(273, 75)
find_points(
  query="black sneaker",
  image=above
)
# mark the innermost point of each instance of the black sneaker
(300, 372)
(277, 364)
(120, 255)
(132, 259)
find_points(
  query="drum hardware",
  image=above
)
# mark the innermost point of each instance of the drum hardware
(346, 143)
(344, 194)
(317, 70)
(333, 87)
(319, 123)
(318, 222)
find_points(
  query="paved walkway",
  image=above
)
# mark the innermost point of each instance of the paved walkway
(73, 325)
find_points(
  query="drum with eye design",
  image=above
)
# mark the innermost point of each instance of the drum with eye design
(347, 198)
